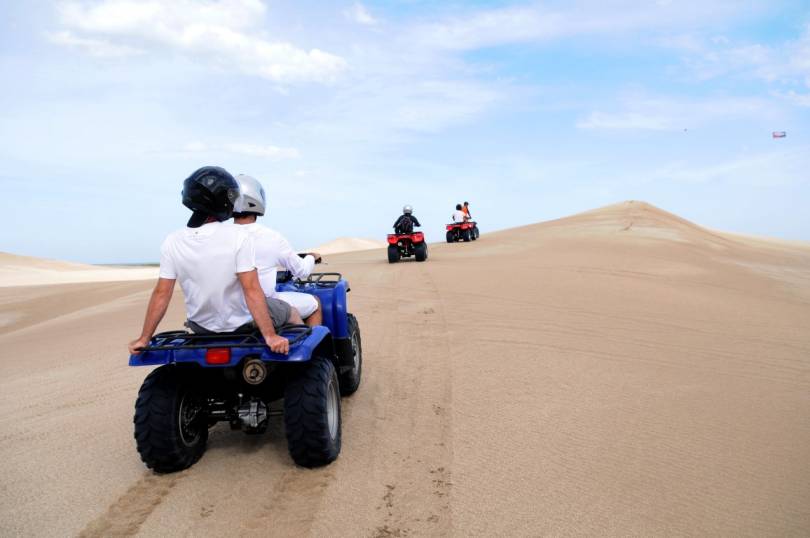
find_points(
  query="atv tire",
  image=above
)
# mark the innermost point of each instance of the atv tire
(171, 423)
(312, 414)
(350, 380)
(421, 252)
(465, 235)
(476, 233)
(393, 254)
(451, 237)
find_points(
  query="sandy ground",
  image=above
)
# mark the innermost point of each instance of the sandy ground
(620, 372)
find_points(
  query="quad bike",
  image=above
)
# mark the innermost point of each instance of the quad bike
(462, 231)
(203, 379)
(407, 245)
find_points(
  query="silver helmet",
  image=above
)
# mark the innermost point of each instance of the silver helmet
(251, 196)
(407, 210)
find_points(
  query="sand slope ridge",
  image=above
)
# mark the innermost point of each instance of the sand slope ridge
(29, 271)
(637, 219)
(622, 372)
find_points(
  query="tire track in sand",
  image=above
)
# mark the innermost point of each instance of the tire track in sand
(417, 411)
(126, 515)
(293, 507)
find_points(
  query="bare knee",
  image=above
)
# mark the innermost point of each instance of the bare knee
(295, 317)
(316, 318)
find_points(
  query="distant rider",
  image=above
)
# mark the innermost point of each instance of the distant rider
(216, 267)
(459, 216)
(273, 251)
(406, 221)
(466, 210)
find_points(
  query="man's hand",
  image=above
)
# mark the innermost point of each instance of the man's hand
(136, 344)
(316, 256)
(278, 344)
(158, 303)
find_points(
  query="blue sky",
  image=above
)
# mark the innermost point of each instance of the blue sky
(346, 111)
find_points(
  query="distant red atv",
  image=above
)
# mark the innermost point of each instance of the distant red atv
(462, 231)
(407, 245)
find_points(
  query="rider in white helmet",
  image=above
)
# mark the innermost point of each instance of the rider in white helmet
(273, 251)
(405, 223)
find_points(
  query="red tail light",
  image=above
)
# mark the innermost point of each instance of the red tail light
(218, 355)
(392, 239)
(449, 227)
(418, 237)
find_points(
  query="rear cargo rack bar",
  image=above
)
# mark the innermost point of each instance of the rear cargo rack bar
(192, 341)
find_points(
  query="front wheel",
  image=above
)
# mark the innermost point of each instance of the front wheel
(450, 236)
(393, 254)
(171, 421)
(476, 233)
(421, 252)
(312, 414)
(350, 380)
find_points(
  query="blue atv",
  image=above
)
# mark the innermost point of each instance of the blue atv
(203, 379)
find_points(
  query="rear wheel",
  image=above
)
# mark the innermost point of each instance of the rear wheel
(312, 414)
(393, 254)
(350, 380)
(171, 421)
(465, 235)
(421, 252)
(450, 236)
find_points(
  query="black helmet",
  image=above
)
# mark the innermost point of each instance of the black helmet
(458, 207)
(209, 192)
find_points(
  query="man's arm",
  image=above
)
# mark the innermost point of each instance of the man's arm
(415, 221)
(158, 304)
(298, 266)
(257, 304)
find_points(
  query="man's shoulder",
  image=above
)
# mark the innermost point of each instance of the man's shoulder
(262, 231)
(174, 236)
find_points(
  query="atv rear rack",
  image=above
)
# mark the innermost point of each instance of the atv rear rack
(185, 340)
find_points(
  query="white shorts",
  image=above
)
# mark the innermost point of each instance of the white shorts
(305, 303)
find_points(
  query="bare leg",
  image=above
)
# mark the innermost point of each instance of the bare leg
(316, 318)
(295, 317)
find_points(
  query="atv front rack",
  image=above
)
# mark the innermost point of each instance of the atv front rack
(172, 340)
(321, 280)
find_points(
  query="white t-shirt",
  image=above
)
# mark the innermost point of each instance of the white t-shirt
(205, 261)
(458, 215)
(273, 251)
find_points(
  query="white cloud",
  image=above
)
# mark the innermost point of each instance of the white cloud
(537, 23)
(270, 152)
(771, 168)
(225, 33)
(669, 114)
(94, 47)
(251, 150)
(359, 14)
(626, 120)
(794, 98)
(784, 64)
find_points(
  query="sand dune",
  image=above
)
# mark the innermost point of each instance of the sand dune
(618, 372)
(28, 271)
(348, 244)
